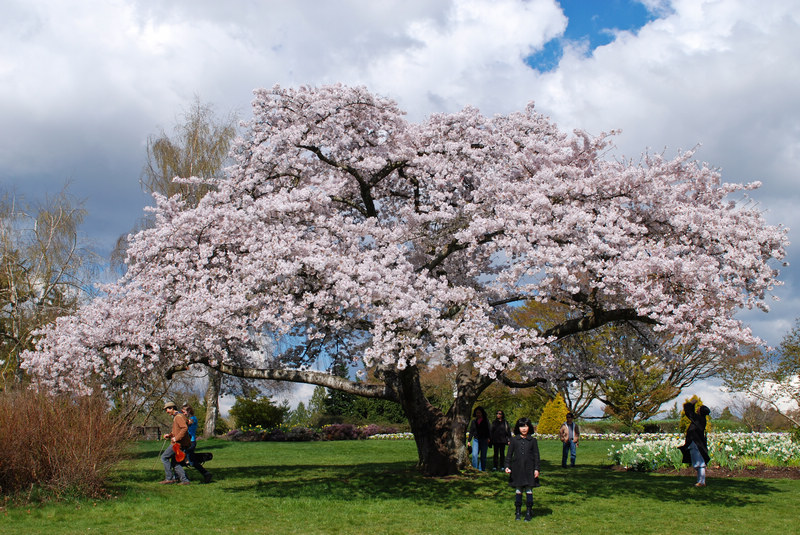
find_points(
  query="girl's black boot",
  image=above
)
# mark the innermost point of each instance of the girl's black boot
(529, 506)
(518, 505)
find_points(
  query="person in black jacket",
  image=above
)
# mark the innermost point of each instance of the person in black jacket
(522, 463)
(479, 436)
(695, 447)
(501, 436)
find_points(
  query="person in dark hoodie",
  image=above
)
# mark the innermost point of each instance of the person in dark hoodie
(695, 447)
(522, 463)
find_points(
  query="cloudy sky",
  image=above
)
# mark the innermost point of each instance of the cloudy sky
(84, 83)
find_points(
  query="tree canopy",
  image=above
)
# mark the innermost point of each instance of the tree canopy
(361, 236)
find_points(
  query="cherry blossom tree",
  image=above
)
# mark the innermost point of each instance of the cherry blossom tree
(361, 237)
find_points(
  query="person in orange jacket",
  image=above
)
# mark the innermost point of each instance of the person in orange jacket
(173, 469)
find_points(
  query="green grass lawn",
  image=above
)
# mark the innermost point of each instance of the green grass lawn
(371, 487)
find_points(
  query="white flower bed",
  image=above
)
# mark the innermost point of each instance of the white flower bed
(650, 452)
(393, 436)
(606, 436)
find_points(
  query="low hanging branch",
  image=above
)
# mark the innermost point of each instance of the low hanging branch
(311, 377)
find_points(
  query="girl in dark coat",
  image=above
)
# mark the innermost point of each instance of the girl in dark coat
(501, 436)
(695, 447)
(522, 463)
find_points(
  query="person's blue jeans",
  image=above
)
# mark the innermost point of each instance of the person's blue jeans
(479, 449)
(172, 470)
(697, 457)
(568, 448)
(698, 463)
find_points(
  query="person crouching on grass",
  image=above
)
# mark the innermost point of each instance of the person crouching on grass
(522, 463)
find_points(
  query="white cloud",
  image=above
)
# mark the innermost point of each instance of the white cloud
(475, 56)
(88, 81)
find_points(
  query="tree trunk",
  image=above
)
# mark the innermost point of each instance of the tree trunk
(212, 402)
(440, 438)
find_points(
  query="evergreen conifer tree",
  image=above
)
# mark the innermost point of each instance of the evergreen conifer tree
(553, 415)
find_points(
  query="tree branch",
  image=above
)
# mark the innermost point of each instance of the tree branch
(521, 384)
(363, 186)
(507, 300)
(596, 319)
(297, 376)
(453, 247)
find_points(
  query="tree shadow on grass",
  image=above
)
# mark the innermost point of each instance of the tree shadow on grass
(541, 511)
(360, 482)
(599, 481)
(400, 480)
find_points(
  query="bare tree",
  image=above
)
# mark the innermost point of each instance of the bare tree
(199, 148)
(45, 271)
(648, 369)
(753, 412)
(651, 369)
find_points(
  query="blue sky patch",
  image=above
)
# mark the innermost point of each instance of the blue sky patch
(592, 23)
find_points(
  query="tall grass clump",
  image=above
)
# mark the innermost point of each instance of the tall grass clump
(56, 447)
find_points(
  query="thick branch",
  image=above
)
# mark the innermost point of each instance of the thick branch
(512, 299)
(298, 376)
(597, 319)
(521, 384)
(363, 186)
(453, 247)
